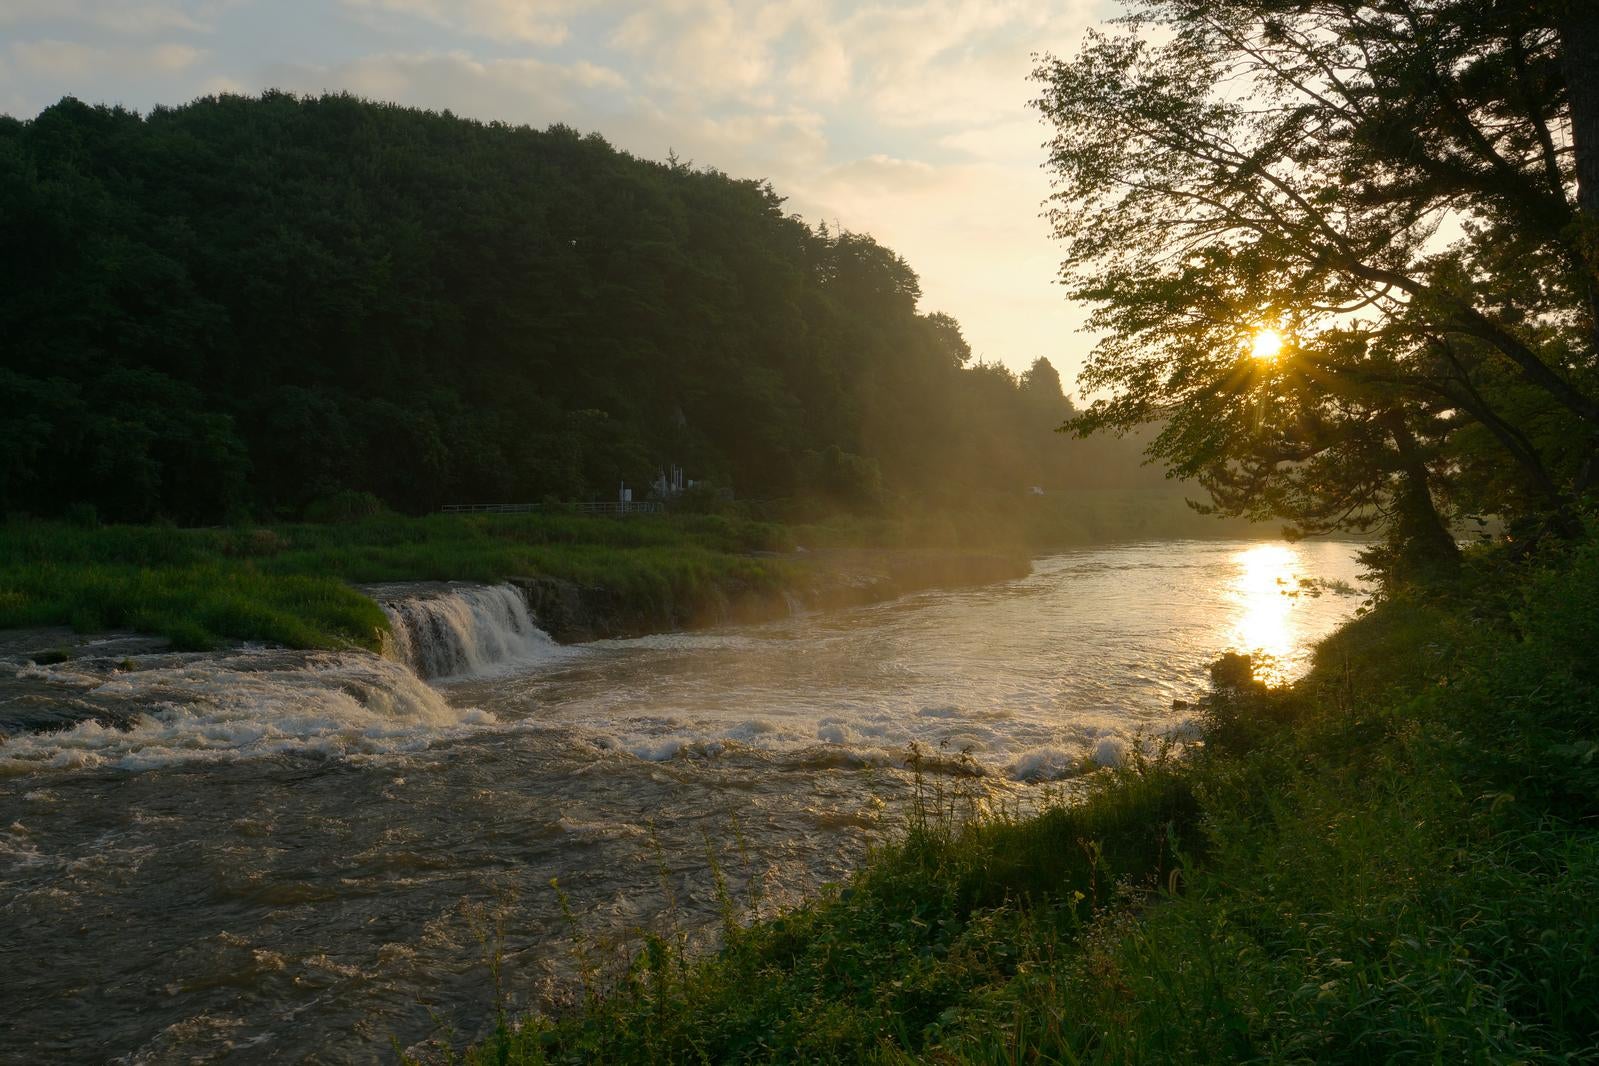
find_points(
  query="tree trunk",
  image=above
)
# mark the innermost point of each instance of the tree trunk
(1579, 62)
(1420, 535)
(1578, 27)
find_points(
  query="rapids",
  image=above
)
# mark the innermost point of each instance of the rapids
(282, 856)
(462, 629)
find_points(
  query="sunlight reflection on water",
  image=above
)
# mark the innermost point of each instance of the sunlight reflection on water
(1267, 592)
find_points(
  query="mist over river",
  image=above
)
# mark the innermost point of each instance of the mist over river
(284, 856)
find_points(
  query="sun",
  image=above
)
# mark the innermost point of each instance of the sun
(1267, 346)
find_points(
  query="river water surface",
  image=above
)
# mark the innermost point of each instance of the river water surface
(274, 856)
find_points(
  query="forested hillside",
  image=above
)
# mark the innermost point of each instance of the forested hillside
(244, 305)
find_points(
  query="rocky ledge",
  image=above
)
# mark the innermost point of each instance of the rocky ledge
(816, 580)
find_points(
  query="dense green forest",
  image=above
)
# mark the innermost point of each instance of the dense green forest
(242, 306)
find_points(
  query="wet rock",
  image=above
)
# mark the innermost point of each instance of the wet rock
(51, 712)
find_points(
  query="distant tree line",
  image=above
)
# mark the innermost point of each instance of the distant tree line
(246, 305)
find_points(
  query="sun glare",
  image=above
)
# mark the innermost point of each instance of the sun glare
(1268, 345)
(1265, 625)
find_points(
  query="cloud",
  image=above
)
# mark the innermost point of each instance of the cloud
(951, 64)
(708, 48)
(519, 90)
(112, 16)
(540, 22)
(800, 130)
(821, 67)
(879, 174)
(956, 63)
(1015, 141)
(70, 59)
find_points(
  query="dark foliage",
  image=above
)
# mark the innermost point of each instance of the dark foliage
(249, 305)
(1405, 195)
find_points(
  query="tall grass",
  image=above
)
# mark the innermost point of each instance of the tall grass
(290, 584)
(1395, 860)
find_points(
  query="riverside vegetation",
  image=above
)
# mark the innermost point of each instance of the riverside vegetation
(1394, 859)
(243, 306)
(291, 584)
(262, 311)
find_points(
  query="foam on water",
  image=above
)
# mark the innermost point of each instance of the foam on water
(1097, 655)
(245, 704)
(1045, 764)
(992, 743)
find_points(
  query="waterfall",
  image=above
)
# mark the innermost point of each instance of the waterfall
(465, 630)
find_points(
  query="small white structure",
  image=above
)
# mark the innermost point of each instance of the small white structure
(671, 483)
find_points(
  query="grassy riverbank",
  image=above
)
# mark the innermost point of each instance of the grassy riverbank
(1396, 859)
(290, 584)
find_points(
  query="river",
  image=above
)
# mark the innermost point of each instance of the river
(285, 857)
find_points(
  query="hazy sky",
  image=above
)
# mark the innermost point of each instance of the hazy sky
(906, 120)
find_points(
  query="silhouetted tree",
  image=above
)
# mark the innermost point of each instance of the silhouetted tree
(1387, 184)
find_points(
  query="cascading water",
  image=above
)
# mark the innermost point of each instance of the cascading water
(464, 630)
(149, 710)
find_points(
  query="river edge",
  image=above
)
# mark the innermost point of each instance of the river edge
(298, 586)
(1400, 848)
(824, 579)
(574, 612)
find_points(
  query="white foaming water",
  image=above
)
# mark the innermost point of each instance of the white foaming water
(1039, 679)
(175, 708)
(245, 704)
(466, 630)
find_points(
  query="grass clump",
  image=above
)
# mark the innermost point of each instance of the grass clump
(1393, 860)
